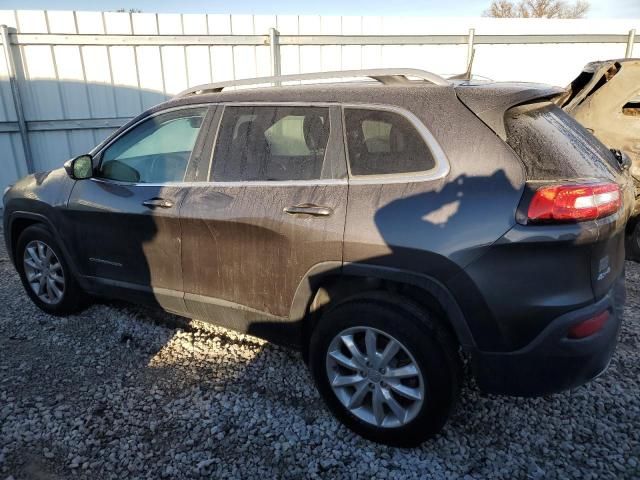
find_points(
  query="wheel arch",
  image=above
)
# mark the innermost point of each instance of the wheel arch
(329, 283)
(19, 221)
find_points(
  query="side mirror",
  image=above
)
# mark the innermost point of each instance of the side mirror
(80, 167)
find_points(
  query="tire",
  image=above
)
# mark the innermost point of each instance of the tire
(71, 299)
(426, 347)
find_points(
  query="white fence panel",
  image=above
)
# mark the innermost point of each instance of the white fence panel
(12, 161)
(64, 84)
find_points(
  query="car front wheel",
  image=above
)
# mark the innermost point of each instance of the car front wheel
(45, 274)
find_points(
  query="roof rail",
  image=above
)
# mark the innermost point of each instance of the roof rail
(386, 76)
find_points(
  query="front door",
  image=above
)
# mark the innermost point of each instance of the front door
(271, 211)
(125, 222)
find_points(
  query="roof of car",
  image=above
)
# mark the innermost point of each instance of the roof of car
(427, 97)
(384, 76)
(375, 86)
(325, 92)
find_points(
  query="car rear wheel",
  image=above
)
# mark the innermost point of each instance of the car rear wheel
(45, 274)
(386, 368)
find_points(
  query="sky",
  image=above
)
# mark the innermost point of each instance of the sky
(440, 8)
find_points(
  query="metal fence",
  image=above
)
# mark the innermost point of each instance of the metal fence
(67, 79)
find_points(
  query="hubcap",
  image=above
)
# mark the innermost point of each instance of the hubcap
(44, 272)
(375, 377)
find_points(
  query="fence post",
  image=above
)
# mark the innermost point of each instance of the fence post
(15, 92)
(274, 46)
(470, 48)
(630, 42)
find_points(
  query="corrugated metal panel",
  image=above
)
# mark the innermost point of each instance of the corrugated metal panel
(222, 61)
(12, 162)
(7, 111)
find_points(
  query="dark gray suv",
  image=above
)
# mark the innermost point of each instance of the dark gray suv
(389, 228)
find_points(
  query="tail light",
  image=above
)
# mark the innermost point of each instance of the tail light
(574, 202)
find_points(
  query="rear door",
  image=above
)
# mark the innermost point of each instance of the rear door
(272, 210)
(553, 146)
(126, 229)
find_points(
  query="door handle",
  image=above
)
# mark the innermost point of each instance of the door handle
(158, 202)
(309, 209)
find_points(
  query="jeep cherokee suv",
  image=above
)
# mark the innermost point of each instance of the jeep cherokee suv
(387, 227)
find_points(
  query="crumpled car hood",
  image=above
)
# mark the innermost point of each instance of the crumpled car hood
(605, 99)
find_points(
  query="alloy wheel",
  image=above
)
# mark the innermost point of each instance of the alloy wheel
(375, 377)
(44, 272)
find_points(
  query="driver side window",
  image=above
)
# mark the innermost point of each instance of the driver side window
(156, 150)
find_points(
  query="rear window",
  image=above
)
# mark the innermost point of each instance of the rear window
(382, 143)
(553, 145)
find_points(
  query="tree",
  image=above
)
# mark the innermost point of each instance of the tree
(537, 9)
(501, 9)
(578, 9)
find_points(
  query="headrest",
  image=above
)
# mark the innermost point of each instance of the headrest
(315, 131)
(396, 139)
(242, 133)
(117, 170)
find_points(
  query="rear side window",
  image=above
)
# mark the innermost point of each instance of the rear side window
(271, 143)
(381, 143)
(553, 145)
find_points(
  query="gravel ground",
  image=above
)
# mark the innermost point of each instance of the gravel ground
(120, 392)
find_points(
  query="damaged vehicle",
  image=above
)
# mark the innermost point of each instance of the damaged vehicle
(605, 99)
(389, 224)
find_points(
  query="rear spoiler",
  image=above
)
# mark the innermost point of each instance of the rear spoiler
(490, 101)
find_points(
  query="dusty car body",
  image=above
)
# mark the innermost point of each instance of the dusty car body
(380, 226)
(605, 99)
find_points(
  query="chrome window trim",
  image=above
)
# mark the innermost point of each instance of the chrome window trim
(101, 148)
(280, 183)
(440, 169)
(276, 103)
(253, 183)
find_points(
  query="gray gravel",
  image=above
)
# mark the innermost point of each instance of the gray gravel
(122, 392)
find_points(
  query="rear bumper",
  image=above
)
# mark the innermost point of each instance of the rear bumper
(552, 362)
